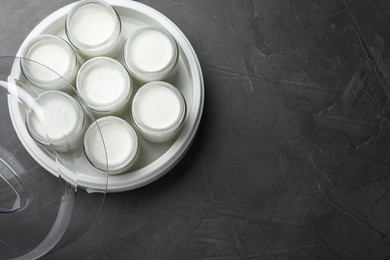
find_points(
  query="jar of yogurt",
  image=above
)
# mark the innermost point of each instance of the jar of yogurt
(111, 145)
(49, 62)
(151, 54)
(158, 111)
(94, 28)
(105, 86)
(56, 120)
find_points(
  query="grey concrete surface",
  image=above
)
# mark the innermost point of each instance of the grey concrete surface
(292, 159)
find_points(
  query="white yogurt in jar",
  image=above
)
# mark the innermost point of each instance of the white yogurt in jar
(56, 120)
(52, 55)
(105, 85)
(92, 24)
(49, 61)
(151, 54)
(111, 144)
(151, 50)
(94, 28)
(158, 110)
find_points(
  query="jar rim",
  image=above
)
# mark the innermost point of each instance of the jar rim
(128, 86)
(160, 132)
(80, 45)
(95, 126)
(154, 75)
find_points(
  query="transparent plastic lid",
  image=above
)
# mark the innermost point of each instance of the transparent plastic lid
(42, 204)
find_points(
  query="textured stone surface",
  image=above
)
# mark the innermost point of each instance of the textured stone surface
(292, 159)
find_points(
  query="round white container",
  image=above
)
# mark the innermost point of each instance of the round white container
(95, 29)
(54, 53)
(158, 110)
(151, 54)
(56, 120)
(155, 159)
(111, 144)
(105, 86)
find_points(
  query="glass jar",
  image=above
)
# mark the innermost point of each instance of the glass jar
(54, 53)
(158, 111)
(56, 120)
(118, 150)
(151, 54)
(94, 28)
(105, 86)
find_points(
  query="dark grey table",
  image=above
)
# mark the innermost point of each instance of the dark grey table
(292, 159)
